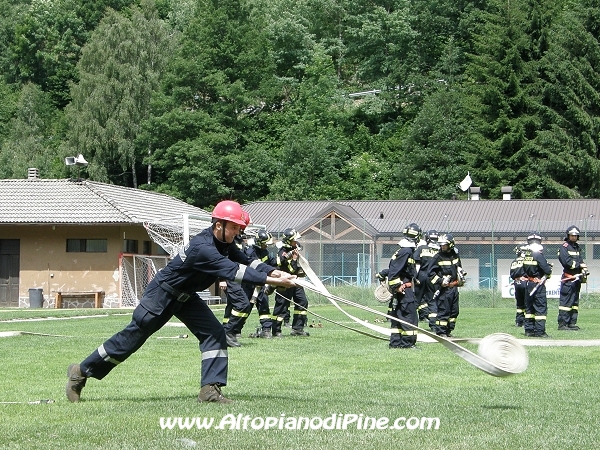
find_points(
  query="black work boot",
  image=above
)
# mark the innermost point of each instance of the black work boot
(299, 333)
(232, 340)
(266, 334)
(212, 393)
(76, 382)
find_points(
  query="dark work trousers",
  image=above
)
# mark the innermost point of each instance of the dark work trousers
(262, 305)
(520, 294)
(447, 310)
(282, 305)
(433, 308)
(238, 308)
(568, 307)
(404, 308)
(194, 313)
(422, 298)
(536, 308)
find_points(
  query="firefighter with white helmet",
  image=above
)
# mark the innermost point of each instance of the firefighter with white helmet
(537, 271)
(210, 255)
(575, 272)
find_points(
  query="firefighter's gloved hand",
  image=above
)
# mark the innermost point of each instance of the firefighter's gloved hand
(584, 270)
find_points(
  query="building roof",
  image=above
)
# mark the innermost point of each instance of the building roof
(44, 201)
(461, 217)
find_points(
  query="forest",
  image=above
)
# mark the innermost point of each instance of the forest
(305, 99)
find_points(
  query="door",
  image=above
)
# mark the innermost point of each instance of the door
(9, 272)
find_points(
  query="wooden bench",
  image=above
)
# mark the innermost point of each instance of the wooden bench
(96, 296)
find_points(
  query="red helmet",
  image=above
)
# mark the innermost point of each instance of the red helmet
(232, 212)
(246, 219)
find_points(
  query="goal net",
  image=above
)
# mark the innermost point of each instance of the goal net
(172, 233)
(136, 273)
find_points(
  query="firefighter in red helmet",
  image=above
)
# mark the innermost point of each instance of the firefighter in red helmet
(210, 255)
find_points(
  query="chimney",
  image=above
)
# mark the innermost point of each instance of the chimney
(506, 191)
(475, 191)
(33, 174)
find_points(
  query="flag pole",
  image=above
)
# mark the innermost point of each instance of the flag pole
(469, 188)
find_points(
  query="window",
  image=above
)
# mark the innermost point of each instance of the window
(147, 247)
(87, 245)
(130, 246)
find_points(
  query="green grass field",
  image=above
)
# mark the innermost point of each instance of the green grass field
(555, 404)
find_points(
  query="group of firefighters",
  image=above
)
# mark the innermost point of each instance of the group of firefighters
(424, 273)
(243, 297)
(423, 277)
(529, 272)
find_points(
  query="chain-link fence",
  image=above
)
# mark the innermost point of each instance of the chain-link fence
(347, 253)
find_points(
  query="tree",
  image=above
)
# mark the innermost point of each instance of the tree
(438, 148)
(503, 70)
(314, 147)
(46, 41)
(29, 141)
(120, 67)
(567, 146)
(220, 78)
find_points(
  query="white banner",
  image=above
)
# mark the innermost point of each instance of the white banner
(552, 287)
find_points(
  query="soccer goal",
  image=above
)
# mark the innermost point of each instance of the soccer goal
(172, 233)
(136, 272)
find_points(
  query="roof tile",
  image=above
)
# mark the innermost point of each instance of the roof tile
(42, 201)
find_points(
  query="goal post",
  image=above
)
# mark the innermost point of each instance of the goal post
(173, 233)
(136, 273)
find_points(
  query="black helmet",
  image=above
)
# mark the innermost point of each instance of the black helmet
(264, 238)
(534, 238)
(412, 232)
(432, 236)
(289, 235)
(572, 230)
(446, 239)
